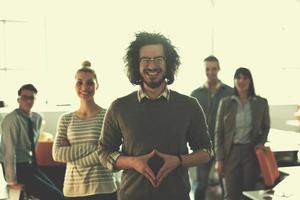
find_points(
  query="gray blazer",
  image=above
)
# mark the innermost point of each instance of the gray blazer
(225, 124)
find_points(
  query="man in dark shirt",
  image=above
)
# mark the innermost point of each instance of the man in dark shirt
(20, 131)
(154, 125)
(209, 96)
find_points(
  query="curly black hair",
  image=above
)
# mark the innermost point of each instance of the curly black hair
(131, 58)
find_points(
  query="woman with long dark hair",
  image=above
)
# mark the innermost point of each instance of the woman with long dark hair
(243, 124)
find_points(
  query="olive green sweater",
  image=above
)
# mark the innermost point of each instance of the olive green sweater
(140, 127)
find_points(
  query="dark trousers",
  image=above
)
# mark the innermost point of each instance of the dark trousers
(241, 170)
(111, 196)
(202, 182)
(36, 183)
(202, 173)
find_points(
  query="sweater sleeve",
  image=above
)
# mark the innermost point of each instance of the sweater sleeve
(89, 160)
(71, 153)
(198, 136)
(110, 139)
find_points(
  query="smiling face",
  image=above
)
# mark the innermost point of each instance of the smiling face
(26, 100)
(86, 85)
(212, 69)
(152, 65)
(242, 84)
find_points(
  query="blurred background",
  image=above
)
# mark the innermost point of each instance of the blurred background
(44, 42)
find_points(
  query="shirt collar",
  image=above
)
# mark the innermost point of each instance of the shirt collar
(165, 94)
(236, 98)
(205, 85)
(22, 113)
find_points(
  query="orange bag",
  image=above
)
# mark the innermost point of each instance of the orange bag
(268, 165)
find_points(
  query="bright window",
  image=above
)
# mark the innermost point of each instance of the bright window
(52, 38)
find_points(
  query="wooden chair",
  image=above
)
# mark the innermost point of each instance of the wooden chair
(43, 153)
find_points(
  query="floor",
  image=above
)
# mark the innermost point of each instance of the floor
(212, 193)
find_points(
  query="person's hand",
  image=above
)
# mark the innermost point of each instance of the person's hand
(170, 163)
(140, 164)
(260, 146)
(219, 166)
(64, 142)
(16, 186)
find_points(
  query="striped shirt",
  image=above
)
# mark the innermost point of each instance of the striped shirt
(84, 173)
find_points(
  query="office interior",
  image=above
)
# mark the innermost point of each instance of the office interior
(45, 42)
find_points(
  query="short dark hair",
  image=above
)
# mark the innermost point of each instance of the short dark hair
(212, 58)
(131, 58)
(27, 87)
(245, 72)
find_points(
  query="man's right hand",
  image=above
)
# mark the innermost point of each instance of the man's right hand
(219, 166)
(64, 142)
(16, 186)
(140, 164)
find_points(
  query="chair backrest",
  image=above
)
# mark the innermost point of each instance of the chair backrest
(268, 166)
(43, 153)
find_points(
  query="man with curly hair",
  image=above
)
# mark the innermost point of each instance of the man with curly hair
(154, 125)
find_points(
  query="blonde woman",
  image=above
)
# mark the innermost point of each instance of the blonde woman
(76, 144)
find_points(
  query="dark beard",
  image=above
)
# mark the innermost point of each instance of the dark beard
(153, 84)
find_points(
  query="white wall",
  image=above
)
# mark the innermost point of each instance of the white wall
(279, 115)
(54, 37)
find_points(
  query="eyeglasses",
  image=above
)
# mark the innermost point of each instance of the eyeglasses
(25, 98)
(157, 60)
